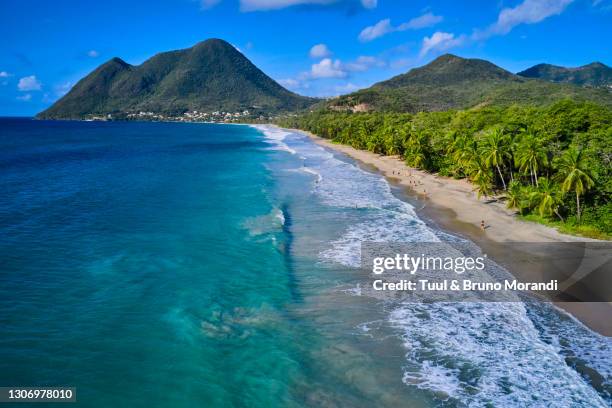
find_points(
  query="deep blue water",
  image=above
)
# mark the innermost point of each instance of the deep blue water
(164, 264)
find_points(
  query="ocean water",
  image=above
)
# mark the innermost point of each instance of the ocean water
(165, 264)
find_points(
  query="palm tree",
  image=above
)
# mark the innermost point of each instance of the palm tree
(416, 153)
(375, 142)
(464, 151)
(496, 150)
(392, 140)
(481, 175)
(546, 198)
(574, 175)
(514, 194)
(531, 155)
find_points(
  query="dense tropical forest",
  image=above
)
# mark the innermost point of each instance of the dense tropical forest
(552, 164)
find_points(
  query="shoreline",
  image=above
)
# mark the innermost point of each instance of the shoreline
(452, 205)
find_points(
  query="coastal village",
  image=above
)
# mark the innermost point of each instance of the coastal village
(189, 116)
(193, 116)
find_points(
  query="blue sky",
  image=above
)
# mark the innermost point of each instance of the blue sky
(313, 47)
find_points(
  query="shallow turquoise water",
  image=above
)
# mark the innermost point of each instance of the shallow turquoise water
(159, 264)
(148, 264)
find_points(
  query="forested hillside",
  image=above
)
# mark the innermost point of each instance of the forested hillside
(552, 164)
(452, 82)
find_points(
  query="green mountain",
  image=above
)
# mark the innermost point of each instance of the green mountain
(210, 76)
(595, 74)
(451, 82)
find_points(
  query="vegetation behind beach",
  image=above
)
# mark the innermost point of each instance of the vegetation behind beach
(552, 164)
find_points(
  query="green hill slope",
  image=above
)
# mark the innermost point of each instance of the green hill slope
(595, 74)
(451, 82)
(210, 76)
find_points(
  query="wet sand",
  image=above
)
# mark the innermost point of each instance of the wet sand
(453, 205)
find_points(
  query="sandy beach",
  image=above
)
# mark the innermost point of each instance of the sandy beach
(501, 224)
(453, 205)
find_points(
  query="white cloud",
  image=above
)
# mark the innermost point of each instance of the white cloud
(377, 30)
(440, 41)
(424, 21)
(528, 12)
(25, 98)
(261, 5)
(330, 69)
(4, 74)
(363, 63)
(258, 5)
(93, 53)
(320, 51)
(384, 27)
(29, 83)
(327, 69)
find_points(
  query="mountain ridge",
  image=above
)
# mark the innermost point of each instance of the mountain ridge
(595, 74)
(452, 82)
(212, 75)
(445, 69)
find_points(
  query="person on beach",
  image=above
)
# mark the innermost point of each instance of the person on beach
(482, 225)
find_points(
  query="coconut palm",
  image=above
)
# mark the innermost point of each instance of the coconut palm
(375, 142)
(481, 175)
(531, 155)
(495, 151)
(515, 196)
(464, 151)
(546, 199)
(417, 150)
(574, 175)
(392, 140)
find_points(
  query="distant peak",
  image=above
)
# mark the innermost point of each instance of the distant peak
(216, 41)
(596, 64)
(543, 65)
(117, 61)
(210, 76)
(213, 42)
(450, 57)
(445, 58)
(593, 74)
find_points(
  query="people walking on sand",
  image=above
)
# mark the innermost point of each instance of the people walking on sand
(482, 225)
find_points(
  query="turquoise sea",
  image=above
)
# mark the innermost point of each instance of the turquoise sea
(184, 265)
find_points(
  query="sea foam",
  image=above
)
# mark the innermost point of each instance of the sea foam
(275, 136)
(474, 354)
